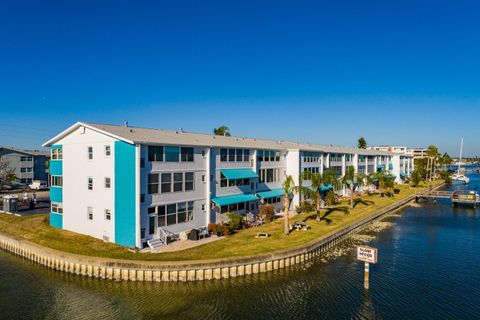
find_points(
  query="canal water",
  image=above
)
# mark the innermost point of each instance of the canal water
(428, 268)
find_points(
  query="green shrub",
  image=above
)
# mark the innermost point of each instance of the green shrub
(235, 221)
(331, 198)
(267, 212)
(227, 230)
(218, 230)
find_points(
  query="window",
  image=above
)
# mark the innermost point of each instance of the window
(142, 162)
(90, 152)
(177, 181)
(246, 154)
(56, 154)
(26, 158)
(172, 154)
(142, 198)
(187, 154)
(189, 181)
(231, 155)
(153, 183)
(174, 213)
(56, 207)
(269, 175)
(108, 151)
(223, 155)
(56, 181)
(166, 182)
(161, 216)
(203, 153)
(260, 155)
(107, 183)
(203, 207)
(26, 169)
(268, 155)
(151, 225)
(108, 214)
(203, 178)
(90, 183)
(155, 153)
(171, 214)
(89, 213)
(223, 180)
(239, 155)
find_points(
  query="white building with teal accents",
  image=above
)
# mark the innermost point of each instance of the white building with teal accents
(131, 186)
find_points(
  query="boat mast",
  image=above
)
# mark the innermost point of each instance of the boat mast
(460, 159)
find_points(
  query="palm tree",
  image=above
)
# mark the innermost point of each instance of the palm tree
(385, 181)
(432, 152)
(317, 180)
(362, 143)
(288, 188)
(222, 131)
(350, 178)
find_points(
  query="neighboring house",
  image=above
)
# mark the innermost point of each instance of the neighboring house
(129, 185)
(27, 165)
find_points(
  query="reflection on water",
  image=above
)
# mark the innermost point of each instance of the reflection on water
(428, 268)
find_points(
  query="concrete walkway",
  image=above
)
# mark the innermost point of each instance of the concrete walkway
(183, 244)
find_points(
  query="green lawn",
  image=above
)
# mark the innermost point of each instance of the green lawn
(36, 229)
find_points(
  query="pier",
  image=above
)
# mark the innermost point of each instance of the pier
(467, 197)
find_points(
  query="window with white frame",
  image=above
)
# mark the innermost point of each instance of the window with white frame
(108, 214)
(90, 152)
(174, 213)
(56, 181)
(89, 213)
(107, 183)
(234, 155)
(56, 154)
(108, 151)
(56, 207)
(89, 183)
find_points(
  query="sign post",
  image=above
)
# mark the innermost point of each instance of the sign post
(367, 255)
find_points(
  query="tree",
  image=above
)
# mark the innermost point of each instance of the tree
(362, 143)
(222, 131)
(416, 178)
(433, 155)
(288, 188)
(385, 181)
(329, 177)
(349, 180)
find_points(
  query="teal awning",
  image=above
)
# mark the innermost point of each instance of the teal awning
(238, 198)
(390, 166)
(403, 174)
(242, 173)
(272, 193)
(380, 166)
(326, 188)
(310, 187)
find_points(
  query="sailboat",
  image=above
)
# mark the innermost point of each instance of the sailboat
(460, 174)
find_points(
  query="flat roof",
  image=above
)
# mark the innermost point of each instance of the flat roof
(139, 135)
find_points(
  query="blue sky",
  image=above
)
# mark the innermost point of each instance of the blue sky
(395, 72)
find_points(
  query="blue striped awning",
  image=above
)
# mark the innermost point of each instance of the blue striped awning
(238, 198)
(241, 173)
(271, 193)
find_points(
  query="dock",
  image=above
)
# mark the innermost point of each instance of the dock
(466, 197)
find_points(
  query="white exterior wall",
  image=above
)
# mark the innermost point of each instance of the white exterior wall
(76, 170)
(293, 169)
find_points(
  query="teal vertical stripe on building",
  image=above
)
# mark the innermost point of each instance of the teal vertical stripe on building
(56, 167)
(56, 220)
(56, 194)
(125, 195)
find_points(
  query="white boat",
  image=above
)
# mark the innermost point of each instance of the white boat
(460, 174)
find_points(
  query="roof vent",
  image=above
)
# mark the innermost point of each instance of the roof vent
(125, 124)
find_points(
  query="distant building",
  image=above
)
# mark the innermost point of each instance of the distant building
(417, 153)
(28, 165)
(402, 150)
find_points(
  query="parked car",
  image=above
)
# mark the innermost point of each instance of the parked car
(38, 185)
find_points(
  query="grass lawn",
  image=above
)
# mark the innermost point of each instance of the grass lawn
(37, 230)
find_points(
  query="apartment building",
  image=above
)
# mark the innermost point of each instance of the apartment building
(27, 165)
(129, 185)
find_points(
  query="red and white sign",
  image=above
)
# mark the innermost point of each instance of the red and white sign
(366, 254)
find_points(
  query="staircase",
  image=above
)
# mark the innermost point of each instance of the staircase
(164, 236)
